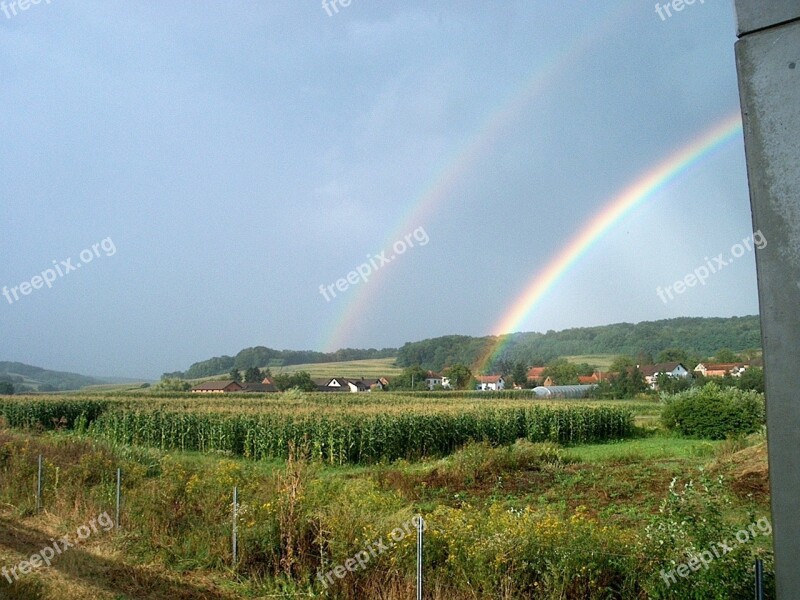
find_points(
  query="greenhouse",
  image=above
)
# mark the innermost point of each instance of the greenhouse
(563, 391)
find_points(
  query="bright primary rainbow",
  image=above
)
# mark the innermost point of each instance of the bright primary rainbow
(615, 210)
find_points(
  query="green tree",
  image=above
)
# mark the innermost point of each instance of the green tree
(628, 382)
(168, 384)
(585, 369)
(300, 380)
(460, 376)
(621, 363)
(562, 372)
(673, 385)
(235, 374)
(6, 388)
(253, 375)
(412, 378)
(751, 379)
(675, 355)
(727, 356)
(503, 366)
(519, 374)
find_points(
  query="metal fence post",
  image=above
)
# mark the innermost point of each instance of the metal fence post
(235, 528)
(420, 544)
(759, 579)
(39, 487)
(119, 481)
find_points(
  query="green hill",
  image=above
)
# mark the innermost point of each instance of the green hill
(370, 368)
(695, 335)
(30, 378)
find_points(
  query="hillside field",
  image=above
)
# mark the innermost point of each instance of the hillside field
(601, 362)
(368, 369)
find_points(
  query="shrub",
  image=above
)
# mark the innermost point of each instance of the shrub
(713, 412)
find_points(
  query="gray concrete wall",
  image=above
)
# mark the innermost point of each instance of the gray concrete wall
(768, 63)
(752, 15)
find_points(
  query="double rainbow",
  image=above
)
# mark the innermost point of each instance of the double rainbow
(463, 162)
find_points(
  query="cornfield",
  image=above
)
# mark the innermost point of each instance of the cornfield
(352, 429)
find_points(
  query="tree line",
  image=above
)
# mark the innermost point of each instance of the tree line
(261, 356)
(697, 337)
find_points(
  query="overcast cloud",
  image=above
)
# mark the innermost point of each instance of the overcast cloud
(240, 155)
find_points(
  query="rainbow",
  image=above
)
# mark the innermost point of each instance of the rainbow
(615, 210)
(463, 161)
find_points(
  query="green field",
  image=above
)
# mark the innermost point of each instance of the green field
(368, 369)
(600, 362)
(520, 499)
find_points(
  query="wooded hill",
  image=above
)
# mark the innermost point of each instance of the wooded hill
(29, 378)
(696, 335)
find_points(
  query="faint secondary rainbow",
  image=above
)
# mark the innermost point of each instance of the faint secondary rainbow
(620, 205)
(420, 208)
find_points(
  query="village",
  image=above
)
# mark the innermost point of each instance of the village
(536, 377)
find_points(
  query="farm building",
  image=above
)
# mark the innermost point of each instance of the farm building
(721, 369)
(217, 387)
(342, 384)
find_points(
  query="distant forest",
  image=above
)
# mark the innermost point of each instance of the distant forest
(696, 335)
(261, 356)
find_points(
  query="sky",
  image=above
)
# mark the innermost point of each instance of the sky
(187, 179)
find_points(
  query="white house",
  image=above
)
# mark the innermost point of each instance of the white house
(490, 382)
(432, 379)
(672, 369)
(342, 384)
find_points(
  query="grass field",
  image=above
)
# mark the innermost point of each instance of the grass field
(369, 369)
(599, 361)
(507, 520)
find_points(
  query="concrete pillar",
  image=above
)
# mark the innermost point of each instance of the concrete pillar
(768, 64)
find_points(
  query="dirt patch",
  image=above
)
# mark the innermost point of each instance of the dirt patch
(748, 471)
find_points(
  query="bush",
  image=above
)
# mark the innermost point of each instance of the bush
(713, 412)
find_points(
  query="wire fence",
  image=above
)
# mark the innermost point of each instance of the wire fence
(235, 514)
